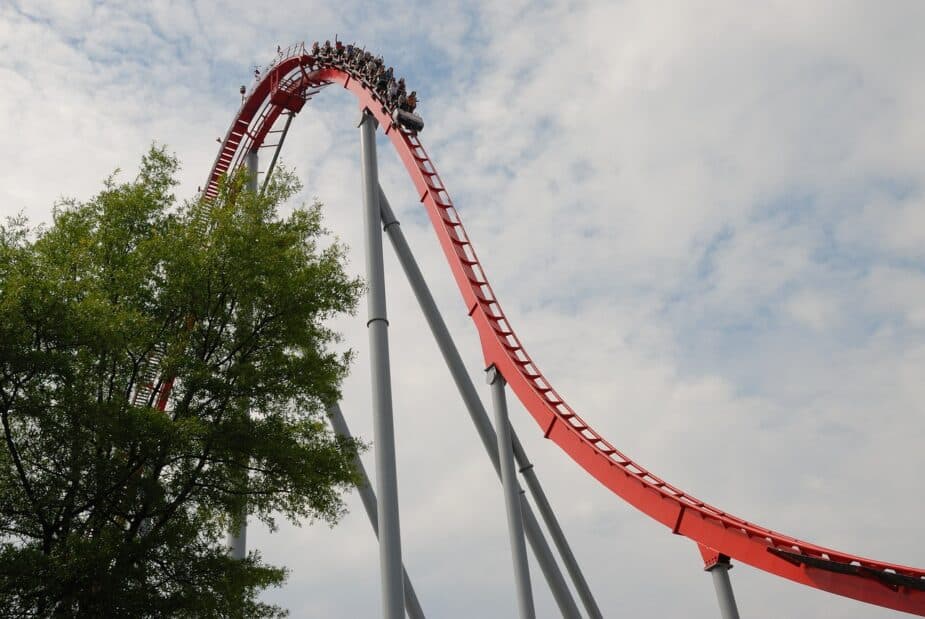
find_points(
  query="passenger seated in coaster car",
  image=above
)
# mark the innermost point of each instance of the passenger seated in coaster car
(391, 92)
(371, 70)
(381, 82)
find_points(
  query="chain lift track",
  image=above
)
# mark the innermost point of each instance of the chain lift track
(293, 80)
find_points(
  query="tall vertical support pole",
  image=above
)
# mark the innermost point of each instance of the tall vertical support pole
(474, 406)
(724, 594)
(250, 163)
(368, 496)
(237, 539)
(719, 565)
(515, 524)
(390, 565)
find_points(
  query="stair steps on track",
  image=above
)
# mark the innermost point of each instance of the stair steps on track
(147, 382)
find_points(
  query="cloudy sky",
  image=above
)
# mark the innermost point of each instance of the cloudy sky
(705, 220)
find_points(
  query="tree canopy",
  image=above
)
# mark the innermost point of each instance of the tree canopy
(110, 509)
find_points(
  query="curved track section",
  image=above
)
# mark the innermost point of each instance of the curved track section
(293, 80)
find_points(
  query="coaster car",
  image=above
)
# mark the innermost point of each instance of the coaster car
(410, 121)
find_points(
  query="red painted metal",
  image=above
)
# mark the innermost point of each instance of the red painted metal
(711, 558)
(721, 533)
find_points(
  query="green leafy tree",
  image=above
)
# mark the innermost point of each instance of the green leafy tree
(109, 509)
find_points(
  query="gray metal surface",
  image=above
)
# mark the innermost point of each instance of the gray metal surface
(368, 496)
(390, 564)
(474, 406)
(515, 524)
(724, 594)
(250, 163)
(237, 540)
(276, 151)
(555, 530)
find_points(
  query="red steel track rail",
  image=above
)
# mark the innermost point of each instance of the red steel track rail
(284, 88)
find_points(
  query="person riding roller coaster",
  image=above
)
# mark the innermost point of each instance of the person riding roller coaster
(382, 82)
(371, 70)
(391, 91)
(411, 102)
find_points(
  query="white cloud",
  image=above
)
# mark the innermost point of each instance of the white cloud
(898, 292)
(814, 310)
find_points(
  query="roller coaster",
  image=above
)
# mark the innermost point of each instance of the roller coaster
(262, 122)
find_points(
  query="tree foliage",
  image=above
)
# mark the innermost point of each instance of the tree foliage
(109, 509)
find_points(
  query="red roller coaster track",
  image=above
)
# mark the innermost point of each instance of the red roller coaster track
(293, 80)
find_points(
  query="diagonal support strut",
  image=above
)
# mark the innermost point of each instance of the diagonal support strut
(368, 496)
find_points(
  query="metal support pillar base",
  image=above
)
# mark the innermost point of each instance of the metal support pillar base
(724, 595)
(390, 565)
(480, 420)
(237, 539)
(368, 496)
(515, 524)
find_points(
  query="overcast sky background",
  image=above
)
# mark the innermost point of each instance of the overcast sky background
(705, 220)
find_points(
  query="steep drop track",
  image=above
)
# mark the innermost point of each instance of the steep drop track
(283, 90)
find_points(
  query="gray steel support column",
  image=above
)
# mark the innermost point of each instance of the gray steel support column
(555, 530)
(474, 406)
(390, 565)
(237, 539)
(250, 163)
(723, 586)
(515, 524)
(368, 496)
(279, 148)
